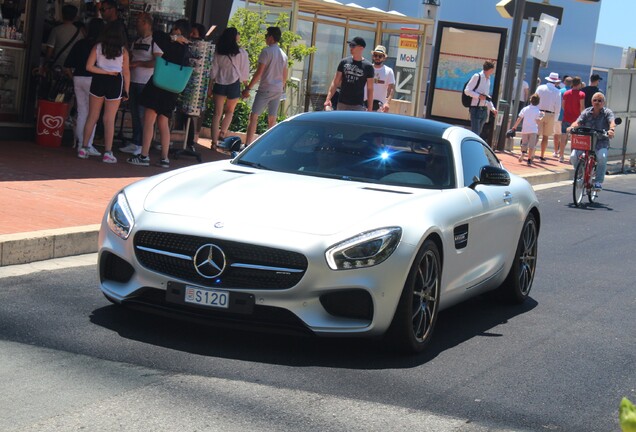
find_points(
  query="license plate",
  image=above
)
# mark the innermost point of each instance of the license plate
(207, 297)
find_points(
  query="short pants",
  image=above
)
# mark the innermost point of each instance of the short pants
(231, 91)
(107, 86)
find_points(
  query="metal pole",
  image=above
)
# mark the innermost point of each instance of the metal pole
(522, 68)
(535, 74)
(513, 51)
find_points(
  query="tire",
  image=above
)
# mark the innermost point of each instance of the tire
(578, 187)
(416, 314)
(592, 193)
(516, 288)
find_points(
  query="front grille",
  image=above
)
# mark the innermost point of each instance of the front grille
(172, 255)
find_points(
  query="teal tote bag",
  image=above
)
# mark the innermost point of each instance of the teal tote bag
(170, 76)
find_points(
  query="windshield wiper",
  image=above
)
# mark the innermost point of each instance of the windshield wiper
(251, 164)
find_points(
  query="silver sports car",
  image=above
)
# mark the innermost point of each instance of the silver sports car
(333, 223)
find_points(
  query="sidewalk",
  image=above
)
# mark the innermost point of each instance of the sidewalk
(51, 202)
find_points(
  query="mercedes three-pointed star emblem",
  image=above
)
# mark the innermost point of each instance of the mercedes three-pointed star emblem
(209, 261)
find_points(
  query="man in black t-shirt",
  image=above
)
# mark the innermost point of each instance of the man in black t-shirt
(591, 89)
(353, 74)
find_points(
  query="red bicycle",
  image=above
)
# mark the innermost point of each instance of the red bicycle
(584, 139)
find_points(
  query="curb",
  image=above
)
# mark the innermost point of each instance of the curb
(553, 177)
(24, 248)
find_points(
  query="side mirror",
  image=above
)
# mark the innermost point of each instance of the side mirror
(494, 176)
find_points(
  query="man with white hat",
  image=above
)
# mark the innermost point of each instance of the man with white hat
(383, 80)
(549, 105)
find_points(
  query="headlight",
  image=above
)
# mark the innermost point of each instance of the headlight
(364, 250)
(120, 218)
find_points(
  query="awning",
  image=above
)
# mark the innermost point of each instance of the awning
(350, 11)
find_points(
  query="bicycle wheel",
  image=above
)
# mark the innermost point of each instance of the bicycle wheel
(592, 194)
(578, 186)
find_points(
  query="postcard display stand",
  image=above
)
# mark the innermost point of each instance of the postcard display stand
(192, 100)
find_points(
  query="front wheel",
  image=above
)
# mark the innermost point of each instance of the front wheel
(592, 193)
(416, 314)
(518, 283)
(578, 187)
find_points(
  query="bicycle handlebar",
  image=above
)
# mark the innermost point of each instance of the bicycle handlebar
(585, 130)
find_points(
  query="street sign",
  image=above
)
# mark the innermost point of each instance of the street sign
(407, 50)
(506, 9)
(543, 38)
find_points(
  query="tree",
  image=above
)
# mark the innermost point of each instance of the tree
(252, 26)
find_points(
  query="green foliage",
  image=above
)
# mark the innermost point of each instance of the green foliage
(252, 26)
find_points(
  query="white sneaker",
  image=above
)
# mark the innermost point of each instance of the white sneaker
(82, 153)
(109, 158)
(131, 148)
(92, 151)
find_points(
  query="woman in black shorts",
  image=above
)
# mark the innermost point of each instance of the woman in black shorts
(161, 103)
(230, 66)
(108, 62)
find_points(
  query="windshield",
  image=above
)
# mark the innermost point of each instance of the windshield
(350, 152)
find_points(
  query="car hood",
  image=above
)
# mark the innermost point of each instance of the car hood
(276, 200)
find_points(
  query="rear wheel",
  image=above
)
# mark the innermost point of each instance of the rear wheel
(416, 314)
(592, 193)
(578, 186)
(518, 283)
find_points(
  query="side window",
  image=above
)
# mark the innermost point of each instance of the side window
(474, 156)
(492, 159)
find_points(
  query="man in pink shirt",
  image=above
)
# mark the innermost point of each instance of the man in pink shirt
(573, 103)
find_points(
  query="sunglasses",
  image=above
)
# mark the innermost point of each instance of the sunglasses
(352, 45)
(377, 55)
(598, 100)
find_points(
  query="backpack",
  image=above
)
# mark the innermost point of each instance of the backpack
(466, 100)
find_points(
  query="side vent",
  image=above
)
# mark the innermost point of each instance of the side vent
(460, 233)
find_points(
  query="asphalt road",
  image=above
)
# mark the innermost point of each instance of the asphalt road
(561, 362)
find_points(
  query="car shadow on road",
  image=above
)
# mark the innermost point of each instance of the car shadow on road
(474, 318)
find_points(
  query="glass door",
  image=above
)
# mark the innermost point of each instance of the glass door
(330, 41)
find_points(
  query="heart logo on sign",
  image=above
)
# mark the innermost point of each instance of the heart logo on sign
(52, 122)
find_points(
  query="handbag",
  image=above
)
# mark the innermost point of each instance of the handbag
(170, 76)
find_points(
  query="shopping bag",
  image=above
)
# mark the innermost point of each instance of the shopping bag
(170, 76)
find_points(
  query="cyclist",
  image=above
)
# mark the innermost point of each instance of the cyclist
(597, 117)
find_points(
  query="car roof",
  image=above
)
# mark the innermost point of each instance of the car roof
(374, 119)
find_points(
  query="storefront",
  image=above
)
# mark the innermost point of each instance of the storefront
(327, 25)
(25, 25)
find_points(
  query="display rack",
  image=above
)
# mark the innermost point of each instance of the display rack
(192, 100)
